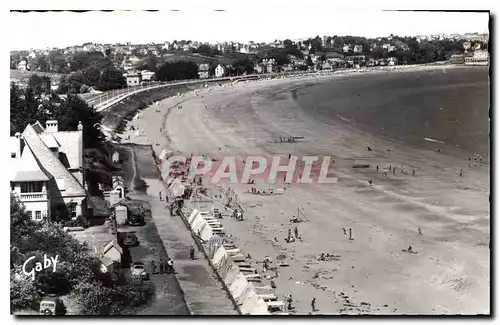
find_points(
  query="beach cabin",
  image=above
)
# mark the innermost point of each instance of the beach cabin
(115, 157)
(119, 185)
(113, 251)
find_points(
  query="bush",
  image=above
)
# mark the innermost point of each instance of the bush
(23, 293)
(124, 299)
(84, 89)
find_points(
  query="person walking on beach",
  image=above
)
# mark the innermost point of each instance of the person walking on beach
(296, 230)
(170, 266)
(313, 305)
(377, 167)
(461, 172)
(161, 266)
(394, 171)
(289, 300)
(153, 267)
(419, 231)
(345, 233)
(191, 253)
(413, 171)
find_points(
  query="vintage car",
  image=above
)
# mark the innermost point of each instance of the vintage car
(52, 305)
(139, 271)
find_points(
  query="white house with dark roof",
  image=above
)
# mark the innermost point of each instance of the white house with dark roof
(47, 169)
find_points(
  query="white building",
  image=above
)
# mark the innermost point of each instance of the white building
(47, 169)
(204, 71)
(147, 75)
(133, 79)
(23, 65)
(220, 71)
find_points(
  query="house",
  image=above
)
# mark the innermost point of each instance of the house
(480, 57)
(133, 79)
(121, 212)
(259, 68)
(346, 48)
(147, 75)
(220, 71)
(358, 48)
(115, 157)
(23, 65)
(204, 71)
(119, 185)
(46, 168)
(457, 59)
(113, 251)
(326, 66)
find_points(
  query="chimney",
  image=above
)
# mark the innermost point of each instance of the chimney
(51, 126)
(19, 146)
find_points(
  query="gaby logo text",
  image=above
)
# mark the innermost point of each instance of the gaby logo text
(32, 270)
(231, 169)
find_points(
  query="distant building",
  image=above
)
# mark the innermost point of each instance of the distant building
(457, 59)
(220, 71)
(204, 71)
(23, 66)
(133, 80)
(480, 57)
(147, 75)
(259, 68)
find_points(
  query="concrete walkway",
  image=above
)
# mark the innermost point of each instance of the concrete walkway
(203, 292)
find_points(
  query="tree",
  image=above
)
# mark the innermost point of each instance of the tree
(151, 63)
(40, 84)
(309, 61)
(111, 78)
(24, 108)
(72, 83)
(92, 74)
(177, 70)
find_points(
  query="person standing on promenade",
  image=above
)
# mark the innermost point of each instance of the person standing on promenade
(191, 253)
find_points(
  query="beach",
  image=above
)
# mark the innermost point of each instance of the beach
(449, 269)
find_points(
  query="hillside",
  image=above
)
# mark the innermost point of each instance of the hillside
(23, 76)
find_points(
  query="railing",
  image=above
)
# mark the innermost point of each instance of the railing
(33, 196)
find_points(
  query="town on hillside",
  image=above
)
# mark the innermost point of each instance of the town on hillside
(91, 66)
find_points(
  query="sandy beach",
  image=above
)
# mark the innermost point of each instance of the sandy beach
(448, 274)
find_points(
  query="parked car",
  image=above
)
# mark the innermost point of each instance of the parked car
(52, 305)
(135, 220)
(139, 271)
(130, 239)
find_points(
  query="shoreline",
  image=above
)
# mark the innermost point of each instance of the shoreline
(370, 211)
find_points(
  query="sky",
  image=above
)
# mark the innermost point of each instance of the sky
(253, 23)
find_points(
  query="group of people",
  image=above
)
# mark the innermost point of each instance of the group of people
(166, 266)
(290, 238)
(393, 170)
(289, 301)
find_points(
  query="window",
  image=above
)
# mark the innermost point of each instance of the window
(30, 214)
(12, 155)
(72, 210)
(31, 187)
(38, 215)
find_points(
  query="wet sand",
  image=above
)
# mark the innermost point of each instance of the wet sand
(449, 274)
